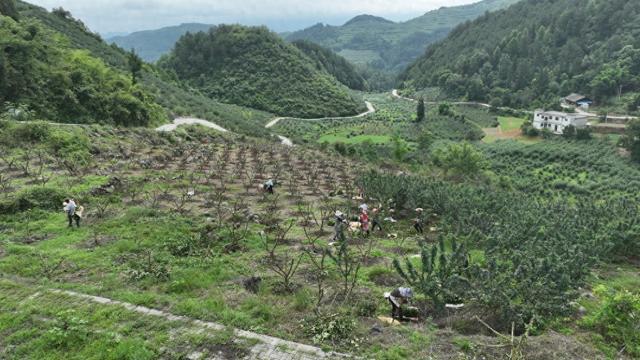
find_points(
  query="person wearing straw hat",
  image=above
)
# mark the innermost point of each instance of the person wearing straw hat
(397, 298)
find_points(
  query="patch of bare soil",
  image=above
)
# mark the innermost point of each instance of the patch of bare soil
(386, 279)
(550, 345)
(33, 239)
(97, 241)
(226, 351)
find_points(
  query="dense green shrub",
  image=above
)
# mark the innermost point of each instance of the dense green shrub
(44, 198)
(617, 319)
(459, 159)
(441, 275)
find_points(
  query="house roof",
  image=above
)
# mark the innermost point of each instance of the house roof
(576, 97)
(561, 114)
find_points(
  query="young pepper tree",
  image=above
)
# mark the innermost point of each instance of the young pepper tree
(440, 273)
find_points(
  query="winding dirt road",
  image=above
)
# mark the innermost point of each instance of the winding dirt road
(370, 110)
(396, 94)
(287, 142)
(190, 121)
(284, 140)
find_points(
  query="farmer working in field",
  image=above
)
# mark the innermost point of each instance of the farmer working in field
(339, 226)
(397, 298)
(268, 186)
(72, 211)
(375, 220)
(418, 222)
(364, 222)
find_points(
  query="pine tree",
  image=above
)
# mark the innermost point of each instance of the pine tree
(421, 110)
(135, 65)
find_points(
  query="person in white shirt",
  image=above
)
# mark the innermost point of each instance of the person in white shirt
(70, 209)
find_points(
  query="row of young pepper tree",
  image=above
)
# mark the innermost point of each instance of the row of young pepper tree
(536, 252)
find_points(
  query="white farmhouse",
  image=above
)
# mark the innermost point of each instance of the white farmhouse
(556, 121)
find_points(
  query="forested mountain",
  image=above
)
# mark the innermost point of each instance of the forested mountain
(385, 45)
(334, 64)
(253, 67)
(152, 44)
(41, 73)
(535, 51)
(176, 98)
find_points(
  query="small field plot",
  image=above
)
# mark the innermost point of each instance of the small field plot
(350, 137)
(510, 123)
(508, 129)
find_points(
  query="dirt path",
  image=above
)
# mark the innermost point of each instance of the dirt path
(396, 94)
(263, 347)
(610, 117)
(287, 142)
(190, 121)
(370, 110)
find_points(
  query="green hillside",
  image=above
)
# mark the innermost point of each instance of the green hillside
(383, 44)
(175, 97)
(536, 51)
(334, 64)
(152, 44)
(254, 67)
(42, 76)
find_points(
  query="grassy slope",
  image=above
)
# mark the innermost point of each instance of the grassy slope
(37, 323)
(176, 98)
(102, 257)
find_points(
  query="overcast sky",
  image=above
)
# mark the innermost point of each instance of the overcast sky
(117, 16)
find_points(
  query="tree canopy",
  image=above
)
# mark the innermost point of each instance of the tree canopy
(334, 64)
(39, 71)
(253, 67)
(536, 51)
(8, 8)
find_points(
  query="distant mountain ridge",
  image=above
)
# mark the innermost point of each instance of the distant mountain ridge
(386, 45)
(364, 40)
(152, 44)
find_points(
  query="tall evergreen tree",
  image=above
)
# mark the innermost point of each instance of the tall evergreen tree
(631, 140)
(8, 8)
(135, 65)
(421, 110)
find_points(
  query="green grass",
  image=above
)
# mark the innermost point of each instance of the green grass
(347, 138)
(39, 324)
(510, 123)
